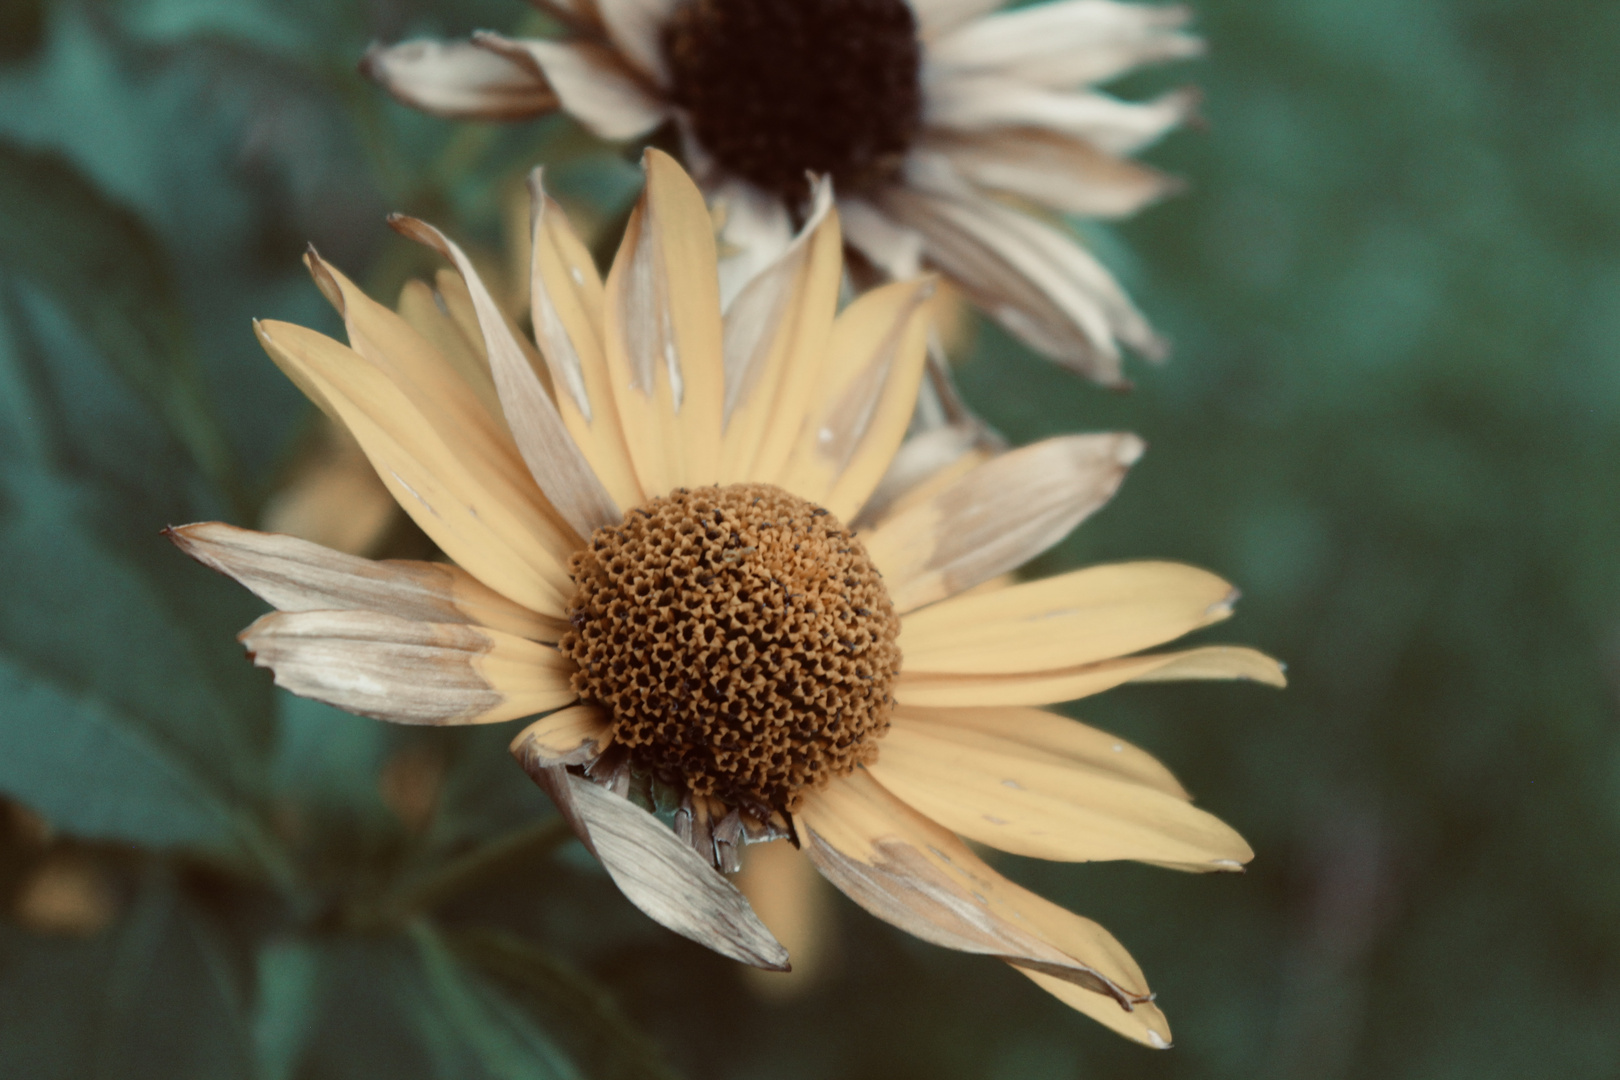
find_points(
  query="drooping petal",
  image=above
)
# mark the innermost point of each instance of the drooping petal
(296, 575)
(776, 342)
(570, 736)
(863, 399)
(987, 789)
(1056, 170)
(1036, 281)
(566, 300)
(1066, 43)
(409, 672)
(654, 869)
(590, 80)
(664, 335)
(1068, 684)
(988, 102)
(1080, 617)
(997, 516)
(555, 462)
(912, 873)
(1044, 736)
(459, 80)
(637, 28)
(489, 518)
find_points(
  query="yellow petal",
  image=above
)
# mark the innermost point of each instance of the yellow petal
(1067, 684)
(1044, 736)
(776, 334)
(986, 789)
(863, 400)
(554, 461)
(566, 300)
(1080, 617)
(568, 736)
(428, 312)
(491, 520)
(663, 333)
(409, 672)
(910, 872)
(997, 516)
(1144, 1023)
(422, 373)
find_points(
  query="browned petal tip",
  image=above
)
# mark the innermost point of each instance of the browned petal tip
(324, 279)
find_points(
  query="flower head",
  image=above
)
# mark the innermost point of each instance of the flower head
(703, 551)
(942, 123)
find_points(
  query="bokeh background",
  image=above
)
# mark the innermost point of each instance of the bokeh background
(1393, 417)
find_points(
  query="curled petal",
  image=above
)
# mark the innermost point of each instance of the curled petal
(571, 736)
(459, 80)
(406, 671)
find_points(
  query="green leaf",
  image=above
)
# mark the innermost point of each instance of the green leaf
(285, 1005)
(98, 261)
(154, 996)
(504, 1041)
(405, 1007)
(599, 1036)
(117, 722)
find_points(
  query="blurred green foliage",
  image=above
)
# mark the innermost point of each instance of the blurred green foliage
(1393, 418)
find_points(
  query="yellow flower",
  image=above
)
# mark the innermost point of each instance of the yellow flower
(943, 122)
(699, 547)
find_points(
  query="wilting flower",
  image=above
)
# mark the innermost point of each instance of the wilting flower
(942, 123)
(698, 546)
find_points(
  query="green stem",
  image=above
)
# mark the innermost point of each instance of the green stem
(529, 842)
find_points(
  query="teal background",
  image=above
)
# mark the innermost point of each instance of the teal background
(1392, 417)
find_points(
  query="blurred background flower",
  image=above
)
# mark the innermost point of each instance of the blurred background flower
(1393, 420)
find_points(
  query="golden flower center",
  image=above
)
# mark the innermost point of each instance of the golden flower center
(777, 87)
(742, 641)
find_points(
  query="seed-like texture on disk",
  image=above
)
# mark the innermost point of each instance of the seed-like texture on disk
(741, 639)
(776, 87)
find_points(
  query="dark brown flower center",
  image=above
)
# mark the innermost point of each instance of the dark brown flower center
(778, 87)
(741, 639)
